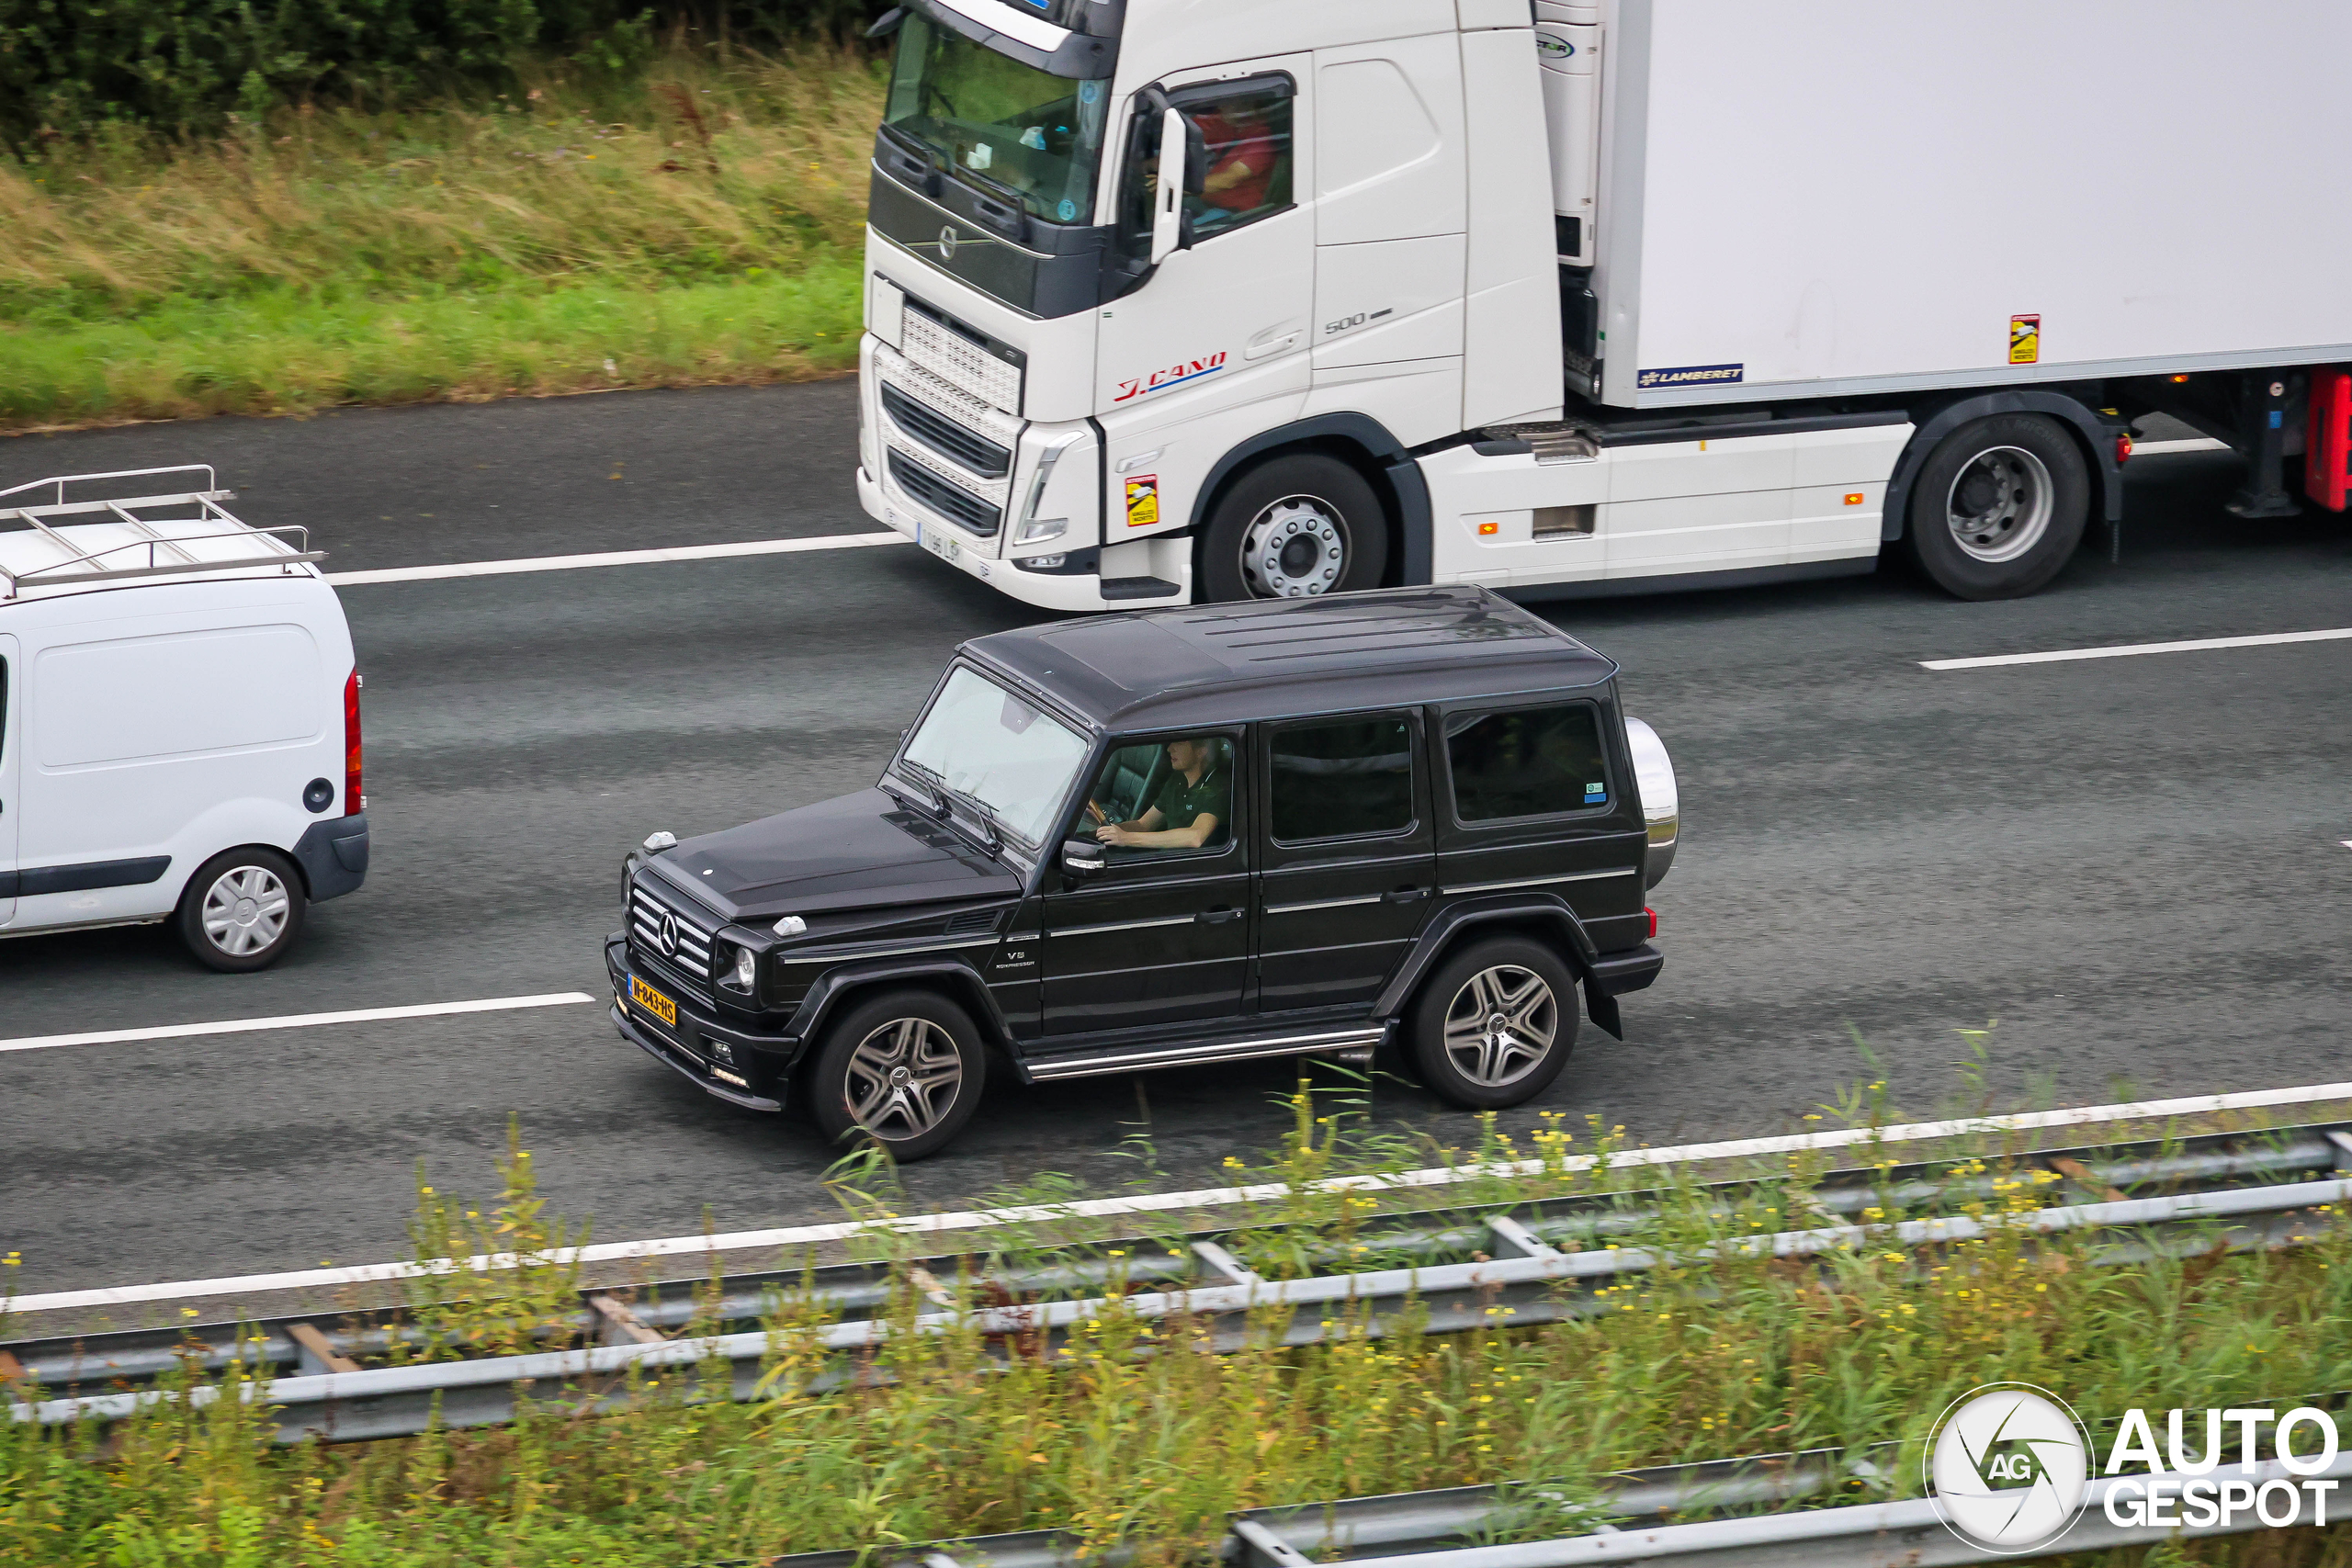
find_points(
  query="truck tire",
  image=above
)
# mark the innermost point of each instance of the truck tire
(1494, 1026)
(1999, 507)
(1293, 527)
(242, 910)
(904, 1068)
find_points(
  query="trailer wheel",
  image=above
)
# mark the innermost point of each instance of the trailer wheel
(1999, 507)
(1293, 527)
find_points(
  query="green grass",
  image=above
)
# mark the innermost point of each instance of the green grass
(949, 1436)
(700, 226)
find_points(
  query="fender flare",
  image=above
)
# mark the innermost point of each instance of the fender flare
(1547, 909)
(960, 979)
(2097, 437)
(1388, 456)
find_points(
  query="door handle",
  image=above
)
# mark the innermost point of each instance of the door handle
(1405, 895)
(1276, 345)
(1217, 917)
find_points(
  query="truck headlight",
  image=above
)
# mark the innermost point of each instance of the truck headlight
(1037, 530)
(743, 973)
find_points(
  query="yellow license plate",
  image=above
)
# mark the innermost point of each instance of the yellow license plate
(654, 1002)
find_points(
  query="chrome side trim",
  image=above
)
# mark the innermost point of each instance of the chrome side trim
(1122, 926)
(1322, 903)
(893, 950)
(1540, 881)
(1229, 1051)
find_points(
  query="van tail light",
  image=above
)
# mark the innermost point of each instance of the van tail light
(1652, 915)
(353, 802)
(2123, 449)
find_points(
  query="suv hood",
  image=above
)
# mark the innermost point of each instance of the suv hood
(860, 851)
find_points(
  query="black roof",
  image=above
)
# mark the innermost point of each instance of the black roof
(1231, 663)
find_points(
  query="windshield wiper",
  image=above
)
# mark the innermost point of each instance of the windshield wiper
(986, 814)
(930, 780)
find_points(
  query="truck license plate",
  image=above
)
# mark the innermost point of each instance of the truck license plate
(654, 1002)
(938, 544)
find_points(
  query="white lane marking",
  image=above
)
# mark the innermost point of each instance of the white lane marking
(2061, 656)
(615, 558)
(1212, 1197)
(292, 1021)
(2182, 444)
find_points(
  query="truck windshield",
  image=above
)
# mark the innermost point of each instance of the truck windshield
(1016, 131)
(983, 741)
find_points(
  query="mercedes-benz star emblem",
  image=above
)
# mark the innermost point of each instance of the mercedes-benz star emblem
(667, 936)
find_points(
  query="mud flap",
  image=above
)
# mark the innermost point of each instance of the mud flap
(1603, 1010)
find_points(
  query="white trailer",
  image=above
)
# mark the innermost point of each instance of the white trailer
(1573, 297)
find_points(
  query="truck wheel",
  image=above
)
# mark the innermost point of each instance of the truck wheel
(242, 910)
(1293, 528)
(1494, 1025)
(1999, 507)
(904, 1068)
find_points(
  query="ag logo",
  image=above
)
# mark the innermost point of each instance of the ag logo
(2009, 1464)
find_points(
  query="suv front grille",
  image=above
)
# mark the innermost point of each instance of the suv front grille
(682, 943)
(958, 506)
(946, 438)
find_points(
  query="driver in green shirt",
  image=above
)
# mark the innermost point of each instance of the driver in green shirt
(1192, 808)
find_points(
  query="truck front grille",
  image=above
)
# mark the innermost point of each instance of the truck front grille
(956, 359)
(944, 437)
(958, 506)
(669, 933)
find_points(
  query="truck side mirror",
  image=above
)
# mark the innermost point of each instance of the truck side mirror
(1081, 857)
(1168, 198)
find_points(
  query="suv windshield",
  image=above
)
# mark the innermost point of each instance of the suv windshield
(981, 740)
(1016, 131)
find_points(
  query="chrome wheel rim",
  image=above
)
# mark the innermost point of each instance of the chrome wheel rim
(903, 1080)
(2000, 504)
(245, 909)
(1501, 1025)
(1296, 548)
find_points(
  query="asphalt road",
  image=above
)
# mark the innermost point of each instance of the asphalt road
(2136, 865)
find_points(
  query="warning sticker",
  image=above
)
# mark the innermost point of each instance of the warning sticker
(1143, 501)
(2025, 339)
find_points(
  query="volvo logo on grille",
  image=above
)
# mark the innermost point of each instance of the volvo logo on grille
(665, 936)
(948, 241)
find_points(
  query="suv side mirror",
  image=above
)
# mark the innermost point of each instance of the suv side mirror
(1081, 857)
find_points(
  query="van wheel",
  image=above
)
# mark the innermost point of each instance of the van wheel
(1295, 527)
(242, 910)
(1494, 1025)
(2000, 507)
(904, 1068)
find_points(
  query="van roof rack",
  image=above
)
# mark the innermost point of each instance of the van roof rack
(112, 537)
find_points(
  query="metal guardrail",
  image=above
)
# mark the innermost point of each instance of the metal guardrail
(313, 1343)
(1530, 1282)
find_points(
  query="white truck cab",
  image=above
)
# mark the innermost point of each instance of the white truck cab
(179, 718)
(1174, 300)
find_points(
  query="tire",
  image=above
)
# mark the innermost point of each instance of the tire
(1999, 507)
(242, 910)
(1293, 527)
(858, 1089)
(1489, 978)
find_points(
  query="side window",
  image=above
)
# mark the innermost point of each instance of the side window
(1162, 797)
(1526, 762)
(1245, 129)
(1343, 780)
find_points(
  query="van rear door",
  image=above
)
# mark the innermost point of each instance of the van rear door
(11, 746)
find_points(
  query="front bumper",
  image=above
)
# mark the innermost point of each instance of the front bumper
(1070, 594)
(761, 1060)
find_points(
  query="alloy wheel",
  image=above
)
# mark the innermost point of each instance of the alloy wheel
(1501, 1025)
(1295, 548)
(903, 1080)
(2000, 504)
(246, 910)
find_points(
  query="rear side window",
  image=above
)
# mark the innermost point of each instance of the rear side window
(1343, 780)
(1526, 762)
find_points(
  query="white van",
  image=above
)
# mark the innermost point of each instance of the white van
(179, 718)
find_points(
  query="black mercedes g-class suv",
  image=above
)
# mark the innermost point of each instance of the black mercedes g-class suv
(1295, 828)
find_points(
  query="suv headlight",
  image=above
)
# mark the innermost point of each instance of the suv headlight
(741, 973)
